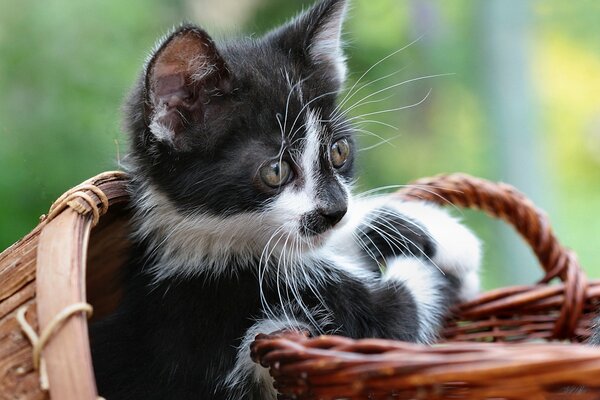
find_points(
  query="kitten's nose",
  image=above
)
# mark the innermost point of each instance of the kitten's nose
(334, 214)
(322, 219)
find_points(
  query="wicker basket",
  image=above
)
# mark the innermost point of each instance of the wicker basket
(44, 274)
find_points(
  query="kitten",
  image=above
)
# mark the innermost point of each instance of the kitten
(244, 221)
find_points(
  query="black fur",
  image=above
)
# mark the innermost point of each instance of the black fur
(388, 234)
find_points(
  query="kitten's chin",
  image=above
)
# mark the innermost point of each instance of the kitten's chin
(310, 243)
(305, 243)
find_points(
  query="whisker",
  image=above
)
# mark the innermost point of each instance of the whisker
(424, 188)
(278, 280)
(393, 109)
(375, 65)
(366, 248)
(405, 240)
(261, 274)
(405, 82)
(373, 243)
(383, 141)
(392, 213)
(287, 103)
(296, 291)
(307, 104)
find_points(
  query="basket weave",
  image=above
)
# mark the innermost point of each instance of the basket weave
(63, 261)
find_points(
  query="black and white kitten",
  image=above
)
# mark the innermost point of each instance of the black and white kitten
(241, 167)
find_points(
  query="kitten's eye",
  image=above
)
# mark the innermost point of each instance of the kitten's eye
(276, 173)
(339, 152)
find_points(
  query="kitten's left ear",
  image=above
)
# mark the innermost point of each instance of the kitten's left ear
(182, 78)
(316, 35)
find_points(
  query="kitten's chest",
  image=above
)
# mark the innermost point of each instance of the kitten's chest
(195, 326)
(203, 306)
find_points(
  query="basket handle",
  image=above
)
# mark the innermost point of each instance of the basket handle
(504, 202)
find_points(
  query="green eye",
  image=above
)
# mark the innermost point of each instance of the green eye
(339, 153)
(276, 173)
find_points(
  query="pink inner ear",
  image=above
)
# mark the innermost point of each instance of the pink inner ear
(169, 84)
(171, 92)
(184, 72)
(181, 59)
(183, 66)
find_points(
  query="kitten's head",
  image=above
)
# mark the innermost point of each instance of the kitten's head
(242, 140)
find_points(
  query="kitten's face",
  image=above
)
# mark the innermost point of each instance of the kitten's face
(249, 130)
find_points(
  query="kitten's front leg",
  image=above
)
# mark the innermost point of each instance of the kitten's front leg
(384, 231)
(439, 257)
(384, 234)
(440, 239)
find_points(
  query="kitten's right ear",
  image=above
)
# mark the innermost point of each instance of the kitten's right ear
(316, 36)
(181, 77)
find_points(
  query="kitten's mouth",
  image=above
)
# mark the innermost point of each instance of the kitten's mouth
(306, 240)
(311, 239)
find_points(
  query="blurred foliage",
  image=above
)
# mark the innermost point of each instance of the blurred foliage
(65, 67)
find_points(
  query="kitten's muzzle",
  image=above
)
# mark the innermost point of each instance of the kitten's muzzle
(322, 219)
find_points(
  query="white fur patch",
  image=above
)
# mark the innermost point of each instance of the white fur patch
(188, 245)
(350, 262)
(310, 153)
(327, 46)
(424, 283)
(245, 368)
(159, 130)
(293, 202)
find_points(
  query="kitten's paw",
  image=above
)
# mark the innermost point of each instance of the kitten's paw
(456, 250)
(384, 234)
(246, 374)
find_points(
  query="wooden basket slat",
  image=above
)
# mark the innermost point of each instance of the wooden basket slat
(61, 282)
(17, 265)
(18, 379)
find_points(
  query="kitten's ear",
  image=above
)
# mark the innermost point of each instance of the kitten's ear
(181, 77)
(317, 35)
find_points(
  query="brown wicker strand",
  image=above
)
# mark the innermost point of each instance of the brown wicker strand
(70, 200)
(332, 367)
(80, 192)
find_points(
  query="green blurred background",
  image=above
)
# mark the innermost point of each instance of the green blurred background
(519, 100)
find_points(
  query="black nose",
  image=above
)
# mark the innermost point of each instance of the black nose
(322, 219)
(333, 215)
